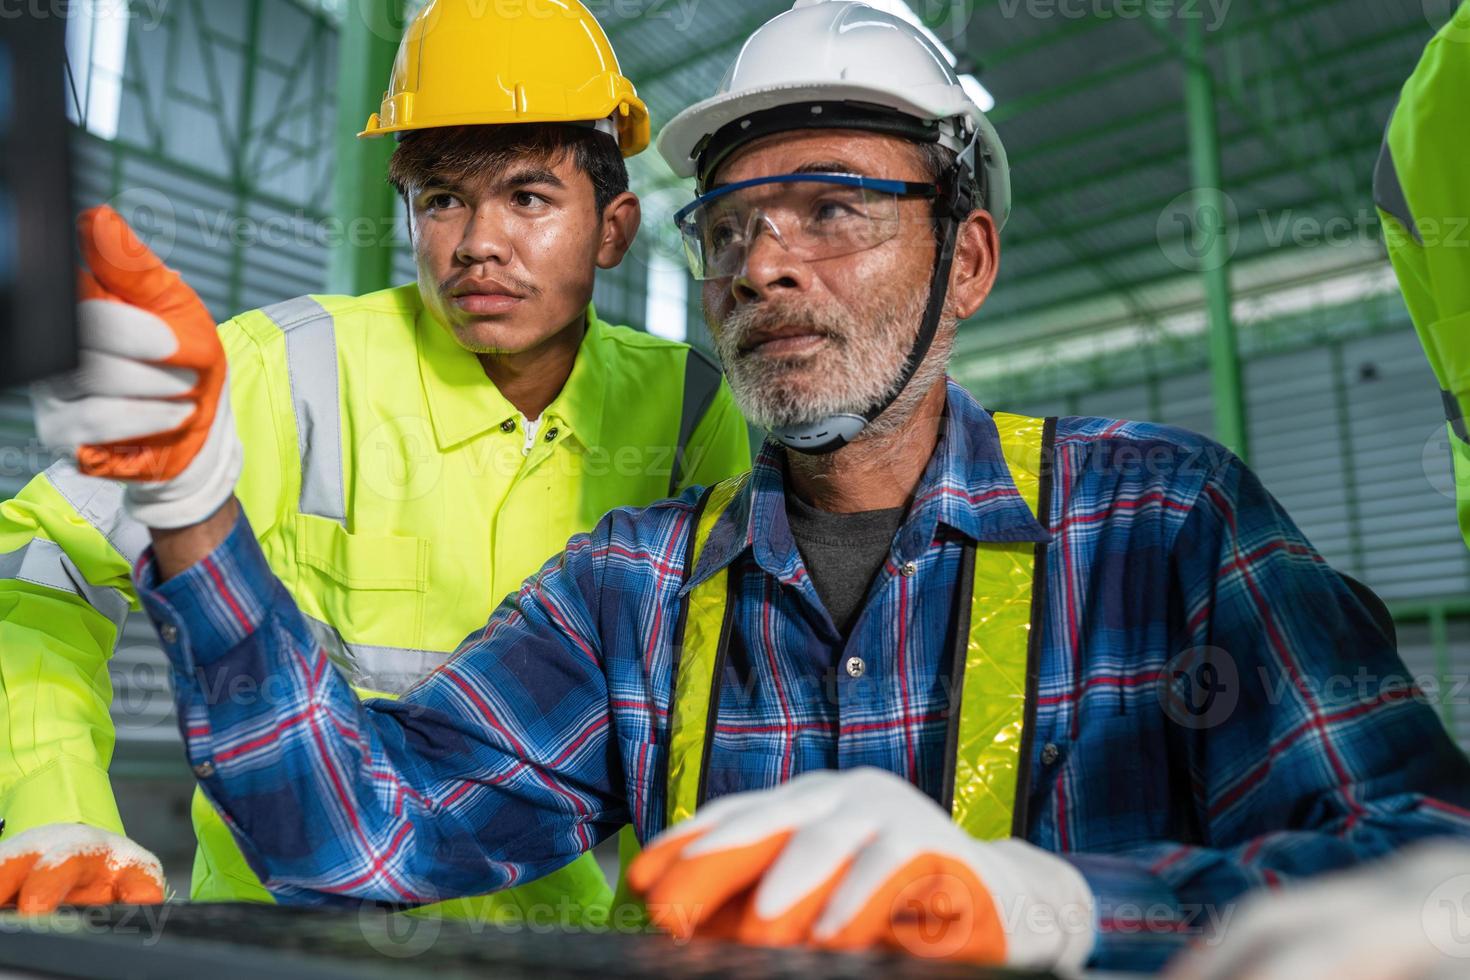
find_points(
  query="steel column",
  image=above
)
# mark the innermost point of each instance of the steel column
(1209, 206)
(362, 256)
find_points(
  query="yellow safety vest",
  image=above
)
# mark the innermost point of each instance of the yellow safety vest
(997, 643)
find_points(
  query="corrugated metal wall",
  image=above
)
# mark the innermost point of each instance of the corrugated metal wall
(1350, 438)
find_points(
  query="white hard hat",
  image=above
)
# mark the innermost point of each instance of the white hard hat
(837, 63)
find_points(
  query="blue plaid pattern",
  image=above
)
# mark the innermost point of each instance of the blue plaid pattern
(1216, 711)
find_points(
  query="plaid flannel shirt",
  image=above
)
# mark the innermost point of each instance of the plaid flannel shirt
(1216, 711)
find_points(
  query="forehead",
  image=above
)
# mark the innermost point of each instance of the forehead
(844, 150)
(489, 172)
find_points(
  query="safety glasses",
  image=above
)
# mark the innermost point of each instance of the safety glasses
(812, 216)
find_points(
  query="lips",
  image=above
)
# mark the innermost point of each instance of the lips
(486, 298)
(487, 304)
(783, 341)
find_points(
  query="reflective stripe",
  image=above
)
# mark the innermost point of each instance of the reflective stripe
(311, 362)
(99, 502)
(1455, 415)
(698, 650)
(1388, 191)
(989, 744)
(43, 563)
(701, 384)
(378, 670)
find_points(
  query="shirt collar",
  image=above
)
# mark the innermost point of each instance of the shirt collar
(464, 403)
(966, 486)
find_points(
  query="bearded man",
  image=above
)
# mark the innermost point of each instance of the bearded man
(1046, 692)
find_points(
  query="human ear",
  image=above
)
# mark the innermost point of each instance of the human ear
(620, 222)
(976, 263)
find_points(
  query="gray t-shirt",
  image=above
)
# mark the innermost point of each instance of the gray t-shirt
(843, 553)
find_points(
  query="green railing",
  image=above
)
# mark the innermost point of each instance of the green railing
(1453, 678)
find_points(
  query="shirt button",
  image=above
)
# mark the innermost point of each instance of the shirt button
(509, 425)
(204, 770)
(910, 569)
(551, 435)
(855, 667)
(1050, 754)
(169, 632)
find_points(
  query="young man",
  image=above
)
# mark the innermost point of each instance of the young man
(407, 457)
(913, 631)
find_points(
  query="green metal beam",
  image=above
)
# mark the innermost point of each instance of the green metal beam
(733, 38)
(1121, 125)
(990, 327)
(1439, 639)
(1176, 354)
(1351, 496)
(1316, 102)
(1154, 206)
(1145, 159)
(1191, 52)
(240, 142)
(362, 258)
(1011, 108)
(1086, 25)
(1093, 262)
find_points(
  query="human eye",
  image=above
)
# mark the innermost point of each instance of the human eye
(722, 233)
(433, 201)
(527, 199)
(836, 207)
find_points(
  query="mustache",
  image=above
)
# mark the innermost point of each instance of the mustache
(757, 320)
(523, 286)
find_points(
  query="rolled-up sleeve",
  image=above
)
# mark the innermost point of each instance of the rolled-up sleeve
(495, 770)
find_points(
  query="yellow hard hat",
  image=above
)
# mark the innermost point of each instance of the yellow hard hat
(465, 63)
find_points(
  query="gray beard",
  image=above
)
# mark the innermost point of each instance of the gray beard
(859, 369)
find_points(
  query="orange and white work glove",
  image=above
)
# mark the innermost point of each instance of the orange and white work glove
(861, 859)
(73, 864)
(149, 403)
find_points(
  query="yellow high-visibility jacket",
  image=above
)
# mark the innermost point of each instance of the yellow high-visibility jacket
(397, 495)
(1423, 195)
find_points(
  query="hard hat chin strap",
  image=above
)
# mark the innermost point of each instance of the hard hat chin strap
(830, 434)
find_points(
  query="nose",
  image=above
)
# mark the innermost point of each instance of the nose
(485, 239)
(769, 268)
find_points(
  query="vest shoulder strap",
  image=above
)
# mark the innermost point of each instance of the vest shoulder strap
(699, 642)
(702, 377)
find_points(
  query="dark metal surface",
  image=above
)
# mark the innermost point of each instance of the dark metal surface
(258, 942)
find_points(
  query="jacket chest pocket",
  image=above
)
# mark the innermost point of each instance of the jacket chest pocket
(366, 595)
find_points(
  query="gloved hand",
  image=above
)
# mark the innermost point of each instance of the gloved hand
(149, 403)
(1403, 918)
(860, 859)
(73, 864)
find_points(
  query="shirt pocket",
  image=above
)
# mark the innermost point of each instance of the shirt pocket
(369, 587)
